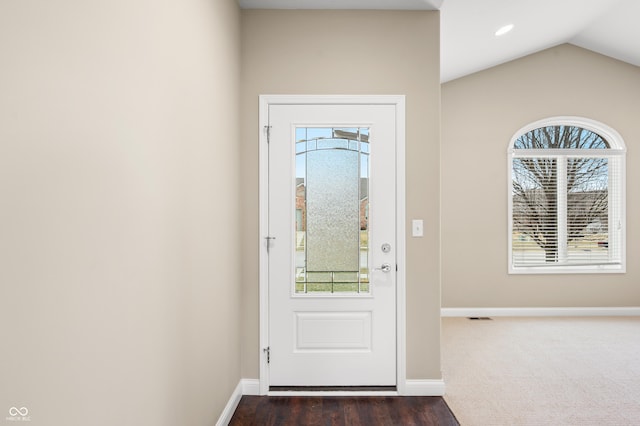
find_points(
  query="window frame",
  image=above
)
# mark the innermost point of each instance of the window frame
(616, 149)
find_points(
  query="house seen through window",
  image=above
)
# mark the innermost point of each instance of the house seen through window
(566, 200)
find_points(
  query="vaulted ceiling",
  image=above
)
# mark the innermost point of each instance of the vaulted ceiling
(468, 40)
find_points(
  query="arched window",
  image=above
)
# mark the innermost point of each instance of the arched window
(566, 198)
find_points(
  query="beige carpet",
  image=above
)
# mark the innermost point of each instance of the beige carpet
(543, 371)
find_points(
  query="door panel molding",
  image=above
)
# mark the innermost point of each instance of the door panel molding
(399, 102)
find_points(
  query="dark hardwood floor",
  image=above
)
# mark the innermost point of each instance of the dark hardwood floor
(347, 411)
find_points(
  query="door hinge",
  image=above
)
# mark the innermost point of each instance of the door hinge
(267, 351)
(269, 242)
(267, 131)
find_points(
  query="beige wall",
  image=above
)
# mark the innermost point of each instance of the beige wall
(351, 52)
(119, 252)
(480, 114)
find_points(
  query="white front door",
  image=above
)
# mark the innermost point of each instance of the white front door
(332, 245)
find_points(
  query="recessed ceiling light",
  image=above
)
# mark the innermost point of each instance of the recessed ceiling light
(504, 30)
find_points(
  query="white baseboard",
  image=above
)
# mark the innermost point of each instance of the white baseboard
(231, 406)
(245, 387)
(424, 388)
(250, 386)
(540, 312)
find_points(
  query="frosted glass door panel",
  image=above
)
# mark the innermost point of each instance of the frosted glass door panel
(332, 210)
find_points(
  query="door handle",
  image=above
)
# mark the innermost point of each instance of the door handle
(385, 267)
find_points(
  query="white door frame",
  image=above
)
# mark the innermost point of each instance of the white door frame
(399, 102)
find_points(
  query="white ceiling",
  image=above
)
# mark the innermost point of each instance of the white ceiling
(468, 44)
(342, 4)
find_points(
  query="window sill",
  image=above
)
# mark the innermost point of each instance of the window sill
(573, 269)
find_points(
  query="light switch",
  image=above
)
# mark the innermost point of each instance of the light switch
(417, 228)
